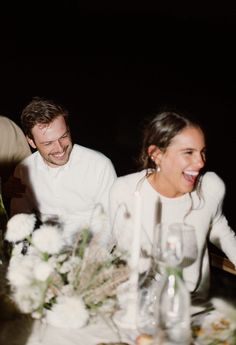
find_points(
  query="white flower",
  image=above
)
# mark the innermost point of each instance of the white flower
(20, 227)
(68, 312)
(29, 298)
(42, 271)
(21, 269)
(48, 239)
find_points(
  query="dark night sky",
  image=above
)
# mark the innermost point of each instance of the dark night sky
(125, 62)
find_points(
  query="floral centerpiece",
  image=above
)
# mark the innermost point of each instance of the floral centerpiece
(63, 285)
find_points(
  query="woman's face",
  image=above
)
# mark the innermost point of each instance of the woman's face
(181, 163)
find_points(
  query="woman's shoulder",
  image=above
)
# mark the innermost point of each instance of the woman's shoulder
(213, 184)
(128, 181)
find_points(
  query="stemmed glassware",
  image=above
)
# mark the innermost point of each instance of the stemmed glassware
(166, 301)
(174, 247)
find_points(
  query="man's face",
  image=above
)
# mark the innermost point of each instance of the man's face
(53, 141)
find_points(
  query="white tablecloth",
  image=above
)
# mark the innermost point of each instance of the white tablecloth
(23, 331)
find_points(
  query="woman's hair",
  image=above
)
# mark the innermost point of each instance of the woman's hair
(160, 131)
(41, 111)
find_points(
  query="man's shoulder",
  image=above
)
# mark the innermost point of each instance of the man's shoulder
(81, 152)
(29, 160)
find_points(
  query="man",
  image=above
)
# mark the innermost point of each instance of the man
(61, 178)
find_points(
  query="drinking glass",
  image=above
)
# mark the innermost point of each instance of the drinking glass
(174, 245)
(146, 319)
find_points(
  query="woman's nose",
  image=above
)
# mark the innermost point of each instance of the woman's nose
(200, 161)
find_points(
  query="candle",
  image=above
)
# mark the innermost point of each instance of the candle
(158, 211)
(132, 308)
(135, 247)
(128, 318)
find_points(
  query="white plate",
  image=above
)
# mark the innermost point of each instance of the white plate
(214, 326)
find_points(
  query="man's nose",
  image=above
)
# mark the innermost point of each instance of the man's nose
(58, 146)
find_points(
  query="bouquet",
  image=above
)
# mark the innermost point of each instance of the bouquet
(63, 285)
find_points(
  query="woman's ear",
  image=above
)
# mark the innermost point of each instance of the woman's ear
(31, 142)
(154, 153)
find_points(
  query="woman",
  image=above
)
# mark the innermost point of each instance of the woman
(174, 189)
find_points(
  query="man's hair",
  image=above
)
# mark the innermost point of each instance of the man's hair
(41, 111)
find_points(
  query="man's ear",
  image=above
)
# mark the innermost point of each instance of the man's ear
(31, 142)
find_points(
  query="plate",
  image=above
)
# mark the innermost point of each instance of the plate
(213, 327)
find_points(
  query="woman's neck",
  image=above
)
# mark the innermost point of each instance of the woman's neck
(161, 186)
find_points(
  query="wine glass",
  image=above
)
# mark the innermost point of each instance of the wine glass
(175, 245)
(189, 243)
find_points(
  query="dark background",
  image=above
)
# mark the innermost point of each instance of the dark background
(113, 64)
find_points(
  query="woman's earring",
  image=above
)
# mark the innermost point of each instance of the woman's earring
(158, 169)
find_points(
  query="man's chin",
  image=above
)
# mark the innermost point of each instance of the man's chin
(58, 162)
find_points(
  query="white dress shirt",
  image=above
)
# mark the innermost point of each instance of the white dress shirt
(73, 191)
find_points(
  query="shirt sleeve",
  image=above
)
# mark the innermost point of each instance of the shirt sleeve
(107, 177)
(221, 234)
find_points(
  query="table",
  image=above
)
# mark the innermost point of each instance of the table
(23, 331)
(18, 329)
